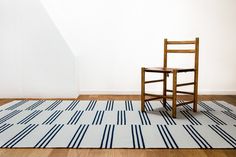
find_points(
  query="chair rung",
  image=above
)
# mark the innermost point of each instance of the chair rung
(180, 42)
(153, 81)
(149, 94)
(185, 84)
(150, 99)
(181, 51)
(156, 95)
(183, 92)
(184, 103)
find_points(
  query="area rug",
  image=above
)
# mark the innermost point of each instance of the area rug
(115, 124)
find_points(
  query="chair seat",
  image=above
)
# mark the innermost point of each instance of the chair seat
(167, 70)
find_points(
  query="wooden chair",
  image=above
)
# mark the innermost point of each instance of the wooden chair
(166, 71)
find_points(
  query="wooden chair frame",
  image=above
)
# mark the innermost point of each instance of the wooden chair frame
(166, 71)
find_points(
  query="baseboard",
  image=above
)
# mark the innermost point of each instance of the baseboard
(204, 92)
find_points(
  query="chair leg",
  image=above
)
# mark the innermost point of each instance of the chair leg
(164, 89)
(174, 94)
(195, 99)
(142, 88)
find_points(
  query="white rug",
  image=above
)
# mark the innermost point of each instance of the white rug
(115, 124)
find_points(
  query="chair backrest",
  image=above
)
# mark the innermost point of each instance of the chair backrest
(195, 50)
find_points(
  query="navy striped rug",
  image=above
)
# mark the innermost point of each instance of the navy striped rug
(115, 124)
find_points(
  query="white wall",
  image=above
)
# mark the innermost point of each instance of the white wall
(104, 43)
(35, 61)
(113, 39)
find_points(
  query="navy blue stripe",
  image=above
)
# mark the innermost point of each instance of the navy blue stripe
(166, 136)
(112, 135)
(88, 105)
(164, 117)
(213, 118)
(23, 136)
(9, 116)
(166, 106)
(146, 107)
(222, 135)
(124, 118)
(137, 137)
(9, 142)
(140, 131)
(225, 134)
(222, 106)
(108, 136)
(72, 105)
(121, 118)
(98, 117)
(205, 106)
(78, 136)
(16, 105)
(112, 106)
(82, 136)
(129, 107)
(30, 117)
(159, 129)
(118, 113)
(171, 120)
(200, 137)
(140, 117)
(191, 118)
(145, 114)
(13, 141)
(73, 138)
(193, 137)
(171, 136)
(150, 105)
(187, 107)
(54, 105)
(5, 127)
(51, 137)
(95, 117)
(101, 117)
(47, 135)
(55, 117)
(131, 104)
(107, 105)
(104, 132)
(93, 105)
(74, 118)
(230, 114)
(132, 132)
(52, 117)
(78, 117)
(35, 105)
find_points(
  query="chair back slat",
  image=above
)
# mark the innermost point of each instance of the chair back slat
(181, 42)
(181, 51)
(194, 50)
